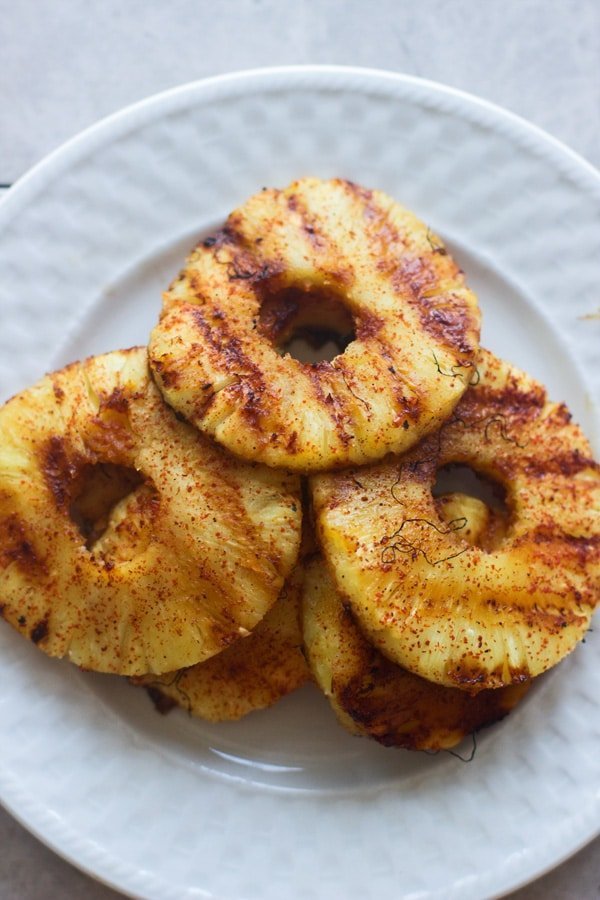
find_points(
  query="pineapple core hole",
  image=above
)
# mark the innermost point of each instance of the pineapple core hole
(309, 324)
(462, 492)
(97, 491)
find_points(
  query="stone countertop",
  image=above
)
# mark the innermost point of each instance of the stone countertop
(64, 67)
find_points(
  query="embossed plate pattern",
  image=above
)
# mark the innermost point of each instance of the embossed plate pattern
(284, 804)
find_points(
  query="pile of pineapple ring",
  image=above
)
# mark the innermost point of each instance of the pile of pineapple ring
(154, 522)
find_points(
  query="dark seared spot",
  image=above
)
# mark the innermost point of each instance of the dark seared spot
(449, 320)
(558, 546)
(560, 415)
(250, 403)
(512, 402)
(169, 377)
(16, 546)
(331, 401)
(59, 468)
(243, 266)
(567, 464)
(399, 709)
(227, 346)
(225, 235)
(411, 277)
(109, 435)
(292, 445)
(408, 408)
(470, 674)
(58, 391)
(385, 241)
(356, 190)
(118, 400)
(230, 355)
(40, 631)
(317, 240)
(368, 326)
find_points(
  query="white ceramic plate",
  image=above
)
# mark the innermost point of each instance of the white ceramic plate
(284, 803)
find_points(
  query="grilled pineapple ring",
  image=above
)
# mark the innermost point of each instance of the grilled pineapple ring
(304, 254)
(473, 617)
(252, 674)
(208, 545)
(372, 696)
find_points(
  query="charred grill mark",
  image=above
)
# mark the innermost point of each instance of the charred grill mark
(250, 387)
(118, 401)
(400, 709)
(169, 377)
(412, 276)
(40, 631)
(384, 239)
(449, 320)
(206, 397)
(308, 224)
(229, 248)
(408, 409)
(339, 367)
(292, 443)
(329, 400)
(59, 470)
(560, 415)
(15, 546)
(244, 266)
(511, 401)
(251, 401)
(552, 621)
(567, 464)
(563, 544)
(467, 674)
(109, 435)
(368, 326)
(223, 237)
(356, 190)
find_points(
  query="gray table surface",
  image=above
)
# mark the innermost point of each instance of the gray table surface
(64, 64)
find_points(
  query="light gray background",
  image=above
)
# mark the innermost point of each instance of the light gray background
(66, 63)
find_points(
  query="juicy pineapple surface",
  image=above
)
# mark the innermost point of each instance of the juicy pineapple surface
(193, 556)
(286, 258)
(376, 698)
(483, 616)
(251, 674)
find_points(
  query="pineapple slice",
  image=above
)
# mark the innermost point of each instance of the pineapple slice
(323, 254)
(372, 696)
(483, 616)
(251, 674)
(207, 551)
